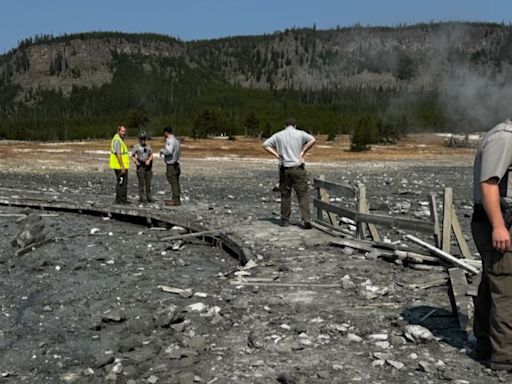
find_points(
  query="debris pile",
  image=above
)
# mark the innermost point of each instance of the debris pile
(30, 231)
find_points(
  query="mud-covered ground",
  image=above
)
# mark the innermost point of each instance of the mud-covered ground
(89, 308)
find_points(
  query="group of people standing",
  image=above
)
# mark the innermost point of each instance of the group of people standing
(289, 146)
(491, 222)
(142, 157)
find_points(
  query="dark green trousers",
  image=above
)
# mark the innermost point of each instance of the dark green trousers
(294, 178)
(144, 176)
(493, 305)
(121, 186)
(173, 173)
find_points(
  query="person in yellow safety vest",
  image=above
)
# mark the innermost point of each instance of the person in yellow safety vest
(120, 163)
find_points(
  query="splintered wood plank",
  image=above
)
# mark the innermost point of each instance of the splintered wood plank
(447, 219)
(435, 219)
(444, 255)
(361, 198)
(459, 236)
(341, 189)
(462, 304)
(389, 221)
(371, 227)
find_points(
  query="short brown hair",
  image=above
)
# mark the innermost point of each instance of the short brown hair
(290, 121)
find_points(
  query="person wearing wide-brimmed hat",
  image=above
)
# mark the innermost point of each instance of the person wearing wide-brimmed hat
(143, 159)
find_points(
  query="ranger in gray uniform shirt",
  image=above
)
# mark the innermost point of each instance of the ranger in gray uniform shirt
(143, 158)
(171, 153)
(289, 146)
(492, 194)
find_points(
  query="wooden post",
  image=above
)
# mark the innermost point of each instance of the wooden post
(361, 198)
(462, 305)
(435, 219)
(319, 211)
(371, 227)
(323, 195)
(459, 236)
(447, 219)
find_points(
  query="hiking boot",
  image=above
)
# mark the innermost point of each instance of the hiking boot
(284, 223)
(307, 225)
(172, 203)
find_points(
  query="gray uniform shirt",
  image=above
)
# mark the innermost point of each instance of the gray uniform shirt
(288, 143)
(494, 160)
(171, 152)
(141, 154)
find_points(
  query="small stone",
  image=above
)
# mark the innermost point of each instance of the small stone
(187, 378)
(323, 375)
(103, 360)
(113, 315)
(152, 379)
(396, 364)
(378, 363)
(352, 337)
(117, 368)
(198, 343)
(383, 344)
(378, 337)
(397, 341)
(425, 367)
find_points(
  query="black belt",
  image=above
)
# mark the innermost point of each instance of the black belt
(296, 166)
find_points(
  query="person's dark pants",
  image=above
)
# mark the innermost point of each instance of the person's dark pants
(296, 178)
(493, 305)
(173, 177)
(121, 186)
(144, 175)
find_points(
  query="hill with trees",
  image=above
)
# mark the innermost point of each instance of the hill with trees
(378, 82)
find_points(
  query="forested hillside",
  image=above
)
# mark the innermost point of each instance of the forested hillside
(382, 81)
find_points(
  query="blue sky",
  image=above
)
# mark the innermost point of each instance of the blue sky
(199, 19)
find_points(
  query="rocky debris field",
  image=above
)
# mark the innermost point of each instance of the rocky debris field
(109, 302)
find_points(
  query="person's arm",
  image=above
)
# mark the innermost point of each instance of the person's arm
(491, 202)
(149, 159)
(168, 150)
(306, 148)
(272, 151)
(134, 157)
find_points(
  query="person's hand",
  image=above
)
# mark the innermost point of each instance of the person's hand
(123, 171)
(500, 239)
(137, 163)
(147, 162)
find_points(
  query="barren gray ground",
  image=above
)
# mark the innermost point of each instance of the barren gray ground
(100, 316)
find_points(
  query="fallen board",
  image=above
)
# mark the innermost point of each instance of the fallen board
(130, 213)
(462, 304)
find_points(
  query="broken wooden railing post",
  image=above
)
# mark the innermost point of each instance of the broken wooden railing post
(462, 304)
(444, 255)
(361, 198)
(435, 219)
(323, 195)
(447, 220)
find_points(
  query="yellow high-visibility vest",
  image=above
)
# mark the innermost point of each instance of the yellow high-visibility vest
(125, 156)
